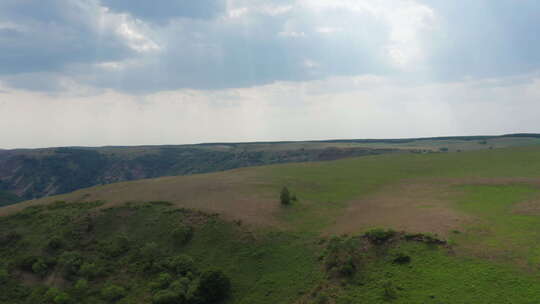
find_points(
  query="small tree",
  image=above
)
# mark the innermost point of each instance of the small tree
(285, 196)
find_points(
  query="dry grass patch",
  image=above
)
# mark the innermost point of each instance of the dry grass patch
(415, 207)
(236, 195)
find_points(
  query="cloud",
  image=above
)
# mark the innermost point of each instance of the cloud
(483, 39)
(338, 107)
(134, 48)
(44, 43)
(165, 10)
(137, 47)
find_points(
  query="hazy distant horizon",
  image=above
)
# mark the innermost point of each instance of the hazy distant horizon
(270, 141)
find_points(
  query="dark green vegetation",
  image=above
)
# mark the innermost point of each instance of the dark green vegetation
(37, 173)
(146, 253)
(31, 174)
(8, 198)
(285, 196)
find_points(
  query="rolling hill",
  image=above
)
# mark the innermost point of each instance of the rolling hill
(454, 228)
(34, 173)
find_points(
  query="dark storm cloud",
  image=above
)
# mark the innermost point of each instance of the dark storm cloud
(211, 44)
(164, 10)
(207, 55)
(48, 36)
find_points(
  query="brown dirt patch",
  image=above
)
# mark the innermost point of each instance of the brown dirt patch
(236, 195)
(420, 206)
(531, 207)
(412, 207)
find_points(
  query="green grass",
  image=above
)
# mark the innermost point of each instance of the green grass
(433, 276)
(268, 266)
(500, 232)
(324, 188)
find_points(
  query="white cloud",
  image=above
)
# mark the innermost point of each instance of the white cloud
(406, 20)
(135, 39)
(275, 10)
(310, 64)
(328, 30)
(339, 107)
(292, 34)
(237, 12)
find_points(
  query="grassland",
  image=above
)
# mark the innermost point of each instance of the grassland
(485, 203)
(35, 173)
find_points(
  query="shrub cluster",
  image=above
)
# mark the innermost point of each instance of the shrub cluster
(428, 238)
(103, 267)
(181, 282)
(182, 235)
(342, 256)
(379, 236)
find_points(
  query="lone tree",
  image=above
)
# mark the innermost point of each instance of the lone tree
(285, 196)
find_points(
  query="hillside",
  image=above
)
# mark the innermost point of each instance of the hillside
(470, 222)
(35, 173)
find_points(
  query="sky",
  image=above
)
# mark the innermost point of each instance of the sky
(138, 72)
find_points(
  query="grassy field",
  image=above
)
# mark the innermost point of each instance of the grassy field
(35, 173)
(485, 203)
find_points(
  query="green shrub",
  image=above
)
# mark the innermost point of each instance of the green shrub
(214, 286)
(26, 262)
(285, 196)
(38, 295)
(54, 243)
(4, 275)
(150, 257)
(402, 258)
(322, 298)
(150, 252)
(182, 235)
(163, 280)
(431, 238)
(184, 287)
(165, 297)
(9, 238)
(340, 256)
(379, 235)
(51, 294)
(90, 270)
(347, 268)
(62, 298)
(112, 292)
(40, 267)
(71, 262)
(80, 287)
(119, 246)
(428, 238)
(181, 264)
